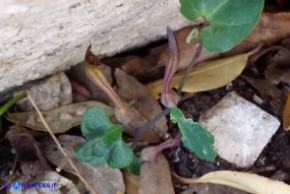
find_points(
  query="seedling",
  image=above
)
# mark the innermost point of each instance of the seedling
(225, 24)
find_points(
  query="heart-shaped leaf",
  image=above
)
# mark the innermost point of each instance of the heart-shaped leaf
(230, 21)
(104, 141)
(194, 136)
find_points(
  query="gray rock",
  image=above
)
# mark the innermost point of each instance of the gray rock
(49, 93)
(39, 38)
(241, 129)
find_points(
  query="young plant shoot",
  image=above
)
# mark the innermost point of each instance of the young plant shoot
(226, 23)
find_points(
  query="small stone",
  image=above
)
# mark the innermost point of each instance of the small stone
(241, 129)
(48, 94)
(257, 99)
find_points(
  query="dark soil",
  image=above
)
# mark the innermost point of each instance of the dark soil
(274, 161)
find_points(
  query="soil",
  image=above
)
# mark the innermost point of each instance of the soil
(273, 162)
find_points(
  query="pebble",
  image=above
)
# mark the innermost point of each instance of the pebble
(241, 129)
(48, 94)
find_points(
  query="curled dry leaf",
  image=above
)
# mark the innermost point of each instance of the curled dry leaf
(251, 183)
(207, 75)
(104, 179)
(155, 177)
(60, 119)
(286, 114)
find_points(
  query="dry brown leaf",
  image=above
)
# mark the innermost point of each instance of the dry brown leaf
(155, 177)
(207, 75)
(269, 93)
(104, 179)
(251, 183)
(131, 182)
(136, 65)
(278, 69)
(286, 114)
(60, 119)
(145, 105)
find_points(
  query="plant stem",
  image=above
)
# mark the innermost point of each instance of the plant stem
(193, 62)
(189, 68)
(140, 130)
(149, 154)
(10, 103)
(59, 145)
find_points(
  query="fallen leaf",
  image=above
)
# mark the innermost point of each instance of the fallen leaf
(50, 179)
(131, 182)
(104, 179)
(269, 93)
(278, 69)
(60, 119)
(146, 107)
(136, 65)
(155, 177)
(286, 114)
(251, 183)
(207, 75)
(28, 154)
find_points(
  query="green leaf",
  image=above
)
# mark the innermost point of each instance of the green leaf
(95, 120)
(194, 137)
(230, 21)
(134, 167)
(104, 141)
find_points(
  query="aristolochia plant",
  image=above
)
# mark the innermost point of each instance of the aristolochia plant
(225, 24)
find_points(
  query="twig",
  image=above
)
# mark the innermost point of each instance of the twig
(140, 130)
(59, 145)
(189, 68)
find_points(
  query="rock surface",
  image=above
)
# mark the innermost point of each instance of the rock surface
(39, 38)
(49, 93)
(241, 129)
